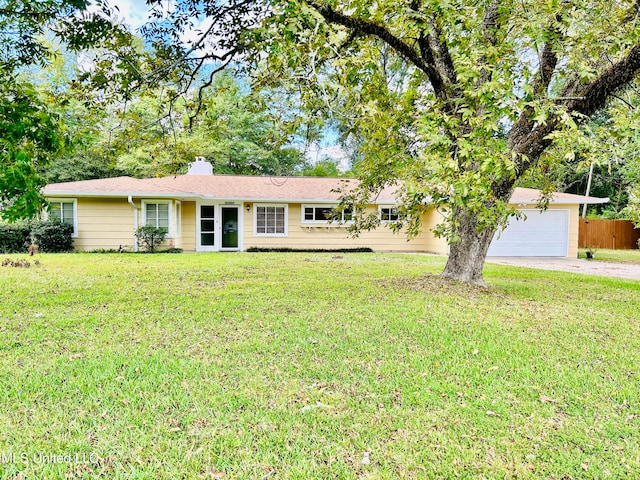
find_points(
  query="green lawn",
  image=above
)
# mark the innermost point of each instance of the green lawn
(622, 256)
(314, 366)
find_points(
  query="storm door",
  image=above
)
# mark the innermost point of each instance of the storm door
(207, 226)
(229, 226)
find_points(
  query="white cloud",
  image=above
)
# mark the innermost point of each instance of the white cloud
(134, 12)
(315, 153)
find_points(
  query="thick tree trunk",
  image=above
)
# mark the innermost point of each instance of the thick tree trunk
(467, 256)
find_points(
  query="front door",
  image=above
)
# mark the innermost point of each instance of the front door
(229, 227)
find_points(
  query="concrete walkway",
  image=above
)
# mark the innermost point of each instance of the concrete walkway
(573, 265)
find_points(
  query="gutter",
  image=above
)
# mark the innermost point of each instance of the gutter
(135, 221)
(98, 194)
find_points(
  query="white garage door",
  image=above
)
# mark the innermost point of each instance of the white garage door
(542, 234)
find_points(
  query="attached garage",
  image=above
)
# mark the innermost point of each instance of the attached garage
(539, 234)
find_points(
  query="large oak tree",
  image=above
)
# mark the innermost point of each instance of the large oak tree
(452, 101)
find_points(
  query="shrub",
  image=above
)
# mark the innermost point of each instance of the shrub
(150, 237)
(52, 236)
(14, 237)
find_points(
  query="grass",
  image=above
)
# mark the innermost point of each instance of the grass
(621, 256)
(319, 366)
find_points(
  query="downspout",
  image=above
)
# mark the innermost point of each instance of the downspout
(135, 221)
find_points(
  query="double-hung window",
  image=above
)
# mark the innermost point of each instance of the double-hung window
(65, 212)
(324, 214)
(157, 215)
(271, 220)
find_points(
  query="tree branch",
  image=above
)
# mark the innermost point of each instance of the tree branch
(206, 85)
(548, 63)
(442, 57)
(489, 27)
(584, 100)
(593, 96)
(367, 27)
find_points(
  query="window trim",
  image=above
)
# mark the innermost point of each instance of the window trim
(74, 234)
(322, 222)
(144, 203)
(380, 207)
(274, 205)
(178, 207)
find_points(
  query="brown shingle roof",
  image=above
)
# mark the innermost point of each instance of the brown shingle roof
(238, 187)
(222, 187)
(118, 186)
(252, 188)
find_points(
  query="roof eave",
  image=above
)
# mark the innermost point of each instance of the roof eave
(67, 193)
(286, 200)
(561, 201)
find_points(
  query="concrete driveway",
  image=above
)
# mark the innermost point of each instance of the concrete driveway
(573, 265)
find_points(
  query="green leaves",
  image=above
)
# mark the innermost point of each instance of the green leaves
(29, 135)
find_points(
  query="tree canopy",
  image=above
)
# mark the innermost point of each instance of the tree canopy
(28, 135)
(30, 131)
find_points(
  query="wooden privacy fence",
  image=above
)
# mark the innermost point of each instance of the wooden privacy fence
(613, 234)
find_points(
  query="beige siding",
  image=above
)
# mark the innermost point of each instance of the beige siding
(439, 245)
(104, 223)
(188, 239)
(302, 235)
(109, 223)
(574, 224)
(432, 243)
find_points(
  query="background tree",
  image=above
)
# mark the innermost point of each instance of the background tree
(30, 132)
(85, 119)
(232, 130)
(154, 130)
(322, 168)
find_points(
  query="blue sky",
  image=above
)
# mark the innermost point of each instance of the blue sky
(134, 11)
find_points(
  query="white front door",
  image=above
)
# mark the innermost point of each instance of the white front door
(218, 227)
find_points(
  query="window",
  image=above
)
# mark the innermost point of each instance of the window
(64, 211)
(270, 220)
(389, 214)
(157, 215)
(323, 214)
